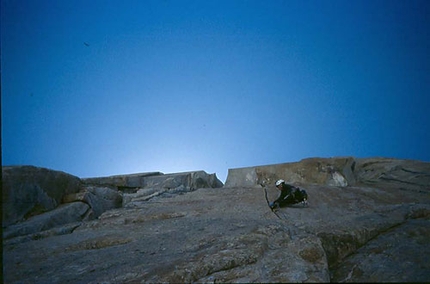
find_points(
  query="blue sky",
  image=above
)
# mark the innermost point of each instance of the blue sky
(97, 88)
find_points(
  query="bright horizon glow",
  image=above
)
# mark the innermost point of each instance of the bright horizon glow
(99, 88)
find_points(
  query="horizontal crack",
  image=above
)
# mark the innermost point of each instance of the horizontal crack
(340, 246)
(414, 172)
(400, 181)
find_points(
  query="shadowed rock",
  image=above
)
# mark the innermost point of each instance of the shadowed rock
(68, 213)
(29, 191)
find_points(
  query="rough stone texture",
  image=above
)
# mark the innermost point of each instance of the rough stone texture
(406, 174)
(64, 214)
(374, 229)
(85, 205)
(131, 183)
(323, 171)
(170, 184)
(28, 191)
(37, 191)
(191, 180)
(100, 199)
(122, 181)
(131, 200)
(402, 254)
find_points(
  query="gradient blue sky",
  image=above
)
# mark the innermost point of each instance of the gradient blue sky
(97, 88)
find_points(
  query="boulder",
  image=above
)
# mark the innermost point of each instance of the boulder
(137, 188)
(56, 231)
(99, 198)
(64, 214)
(28, 191)
(36, 192)
(81, 206)
(102, 199)
(170, 184)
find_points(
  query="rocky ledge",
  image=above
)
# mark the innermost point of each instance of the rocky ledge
(368, 220)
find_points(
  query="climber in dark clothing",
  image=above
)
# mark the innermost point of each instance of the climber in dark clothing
(289, 195)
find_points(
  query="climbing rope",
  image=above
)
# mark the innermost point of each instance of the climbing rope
(268, 203)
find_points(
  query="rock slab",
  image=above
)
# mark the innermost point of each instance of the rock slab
(374, 229)
(28, 191)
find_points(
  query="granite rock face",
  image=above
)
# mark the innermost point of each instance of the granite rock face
(157, 180)
(28, 191)
(39, 199)
(367, 223)
(99, 199)
(343, 171)
(64, 214)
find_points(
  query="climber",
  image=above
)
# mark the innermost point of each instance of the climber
(289, 195)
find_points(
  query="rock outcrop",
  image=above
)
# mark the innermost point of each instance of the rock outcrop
(99, 199)
(343, 172)
(29, 191)
(122, 182)
(368, 220)
(39, 199)
(157, 180)
(64, 214)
